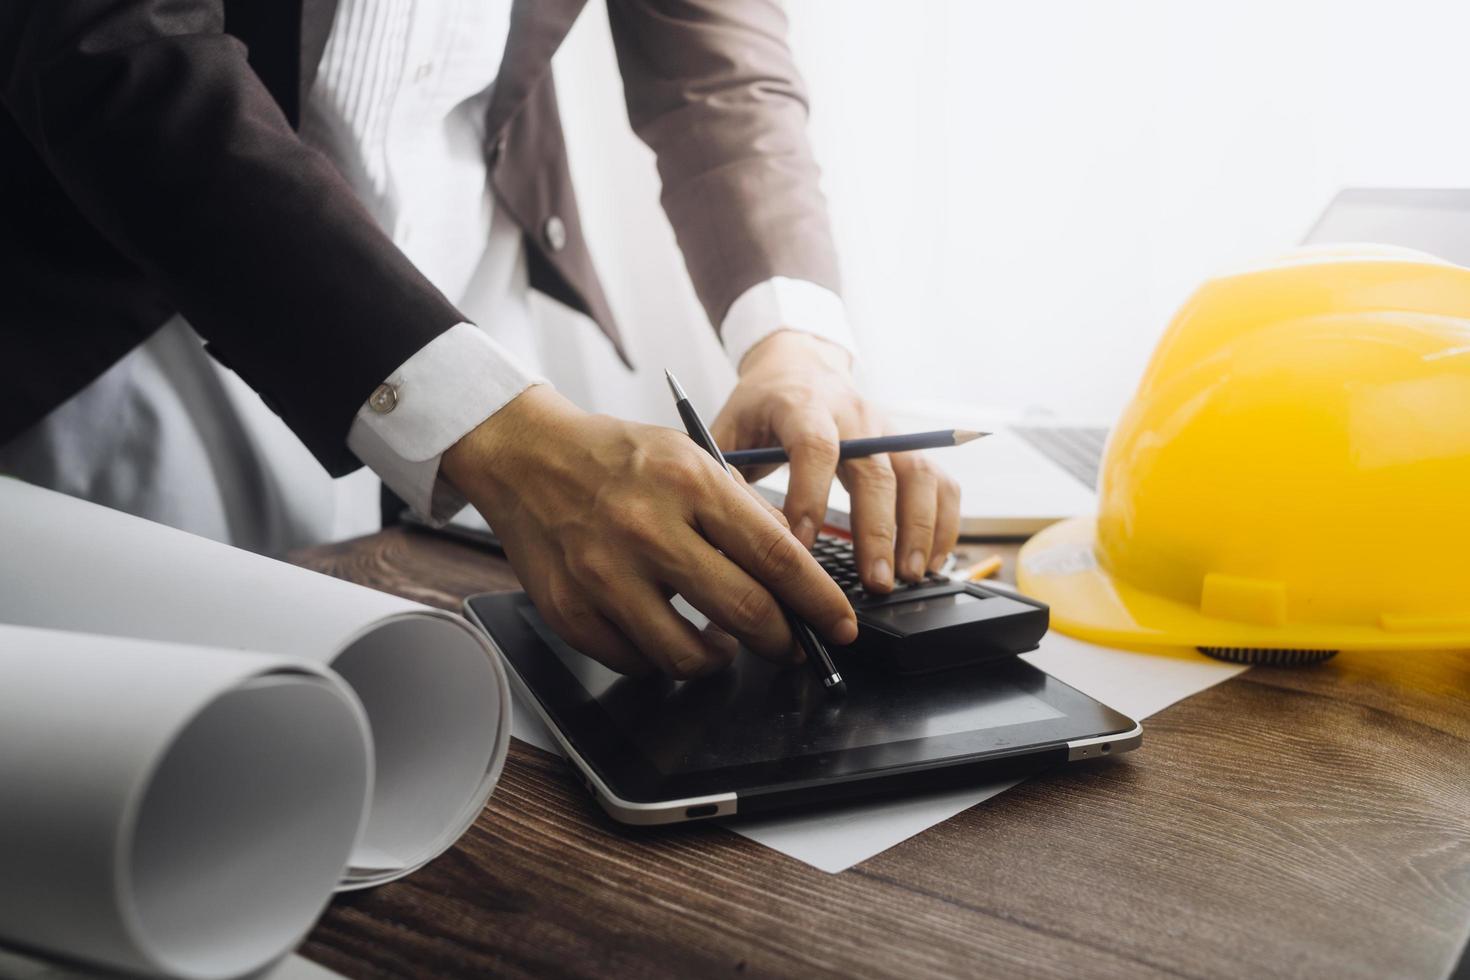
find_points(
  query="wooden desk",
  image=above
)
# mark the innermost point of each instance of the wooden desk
(1290, 822)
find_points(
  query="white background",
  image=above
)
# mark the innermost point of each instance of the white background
(1024, 192)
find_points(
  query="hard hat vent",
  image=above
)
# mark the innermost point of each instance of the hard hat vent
(1267, 657)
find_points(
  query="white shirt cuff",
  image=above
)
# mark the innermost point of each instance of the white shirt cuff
(452, 384)
(784, 304)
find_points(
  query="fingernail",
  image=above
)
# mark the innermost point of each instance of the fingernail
(916, 564)
(845, 631)
(690, 664)
(937, 562)
(882, 572)
(806, 531)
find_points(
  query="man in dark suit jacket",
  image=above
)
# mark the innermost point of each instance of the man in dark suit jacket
(152, 165)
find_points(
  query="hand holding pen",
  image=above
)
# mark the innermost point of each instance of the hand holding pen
(604, 519)
(809, 643)
(798, 392)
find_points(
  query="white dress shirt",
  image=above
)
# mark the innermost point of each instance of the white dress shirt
(169, 434)
(398, 105)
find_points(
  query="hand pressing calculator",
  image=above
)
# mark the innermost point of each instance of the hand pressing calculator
(934, 623)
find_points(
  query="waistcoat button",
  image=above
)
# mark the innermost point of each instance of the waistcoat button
(555, 232)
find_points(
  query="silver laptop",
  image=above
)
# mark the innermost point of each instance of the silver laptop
(1027, 475)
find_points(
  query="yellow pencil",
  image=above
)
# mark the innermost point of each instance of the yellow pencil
(982, 569)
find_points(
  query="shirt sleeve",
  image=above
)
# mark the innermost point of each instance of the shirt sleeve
(452, 384)
(784, 304)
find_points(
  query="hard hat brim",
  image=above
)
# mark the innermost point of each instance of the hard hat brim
(1059, 566)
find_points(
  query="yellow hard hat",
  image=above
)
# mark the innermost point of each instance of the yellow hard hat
(1293, 474)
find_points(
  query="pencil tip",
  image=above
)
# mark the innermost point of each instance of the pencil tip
(674, 386)
(962, 436)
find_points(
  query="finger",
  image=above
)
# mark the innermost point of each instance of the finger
(729, 596)
(588, 631)
(727, 645)
(769, 553)
(809, 435)
(946, 522)
(873, 488)
(738, 428)
(760, 498)
(918, 505)
(723, 429)
(734, 430)
(669, 640)
(754, 474)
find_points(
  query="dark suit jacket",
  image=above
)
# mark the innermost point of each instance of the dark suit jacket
(149, 164)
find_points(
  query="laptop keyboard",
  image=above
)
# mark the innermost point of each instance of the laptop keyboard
(1076, 450)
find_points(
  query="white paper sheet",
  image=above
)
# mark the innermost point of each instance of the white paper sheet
(435, 693)
(168, 808)
(1137, 684)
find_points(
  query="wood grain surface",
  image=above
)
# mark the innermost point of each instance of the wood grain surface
(1302, 822)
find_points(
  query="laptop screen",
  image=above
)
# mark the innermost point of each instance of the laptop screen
(1433, 221)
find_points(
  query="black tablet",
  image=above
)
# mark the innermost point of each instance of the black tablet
(759, 737)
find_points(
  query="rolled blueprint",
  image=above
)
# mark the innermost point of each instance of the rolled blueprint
(435, 694)
(172, 809)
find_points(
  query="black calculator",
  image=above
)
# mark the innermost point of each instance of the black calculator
(934, 623)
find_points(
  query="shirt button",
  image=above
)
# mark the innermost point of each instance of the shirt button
(384, 399)
(556, 233)
(423, 71)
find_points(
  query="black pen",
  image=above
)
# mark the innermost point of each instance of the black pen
(810, 643)
(858, 448)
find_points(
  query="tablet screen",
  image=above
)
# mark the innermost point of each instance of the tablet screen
(772, 735)
(759, 712)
